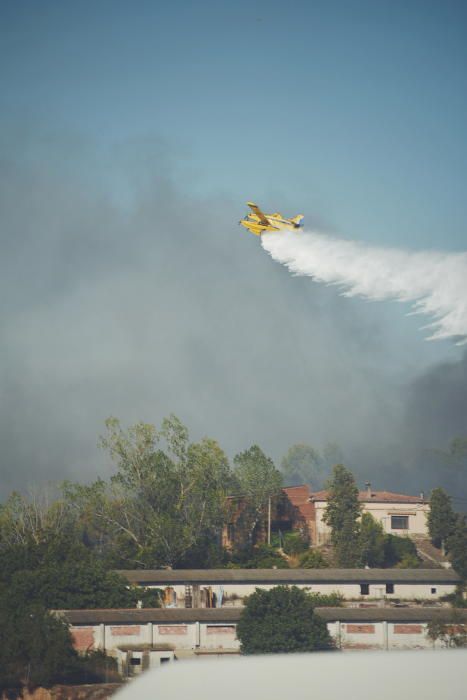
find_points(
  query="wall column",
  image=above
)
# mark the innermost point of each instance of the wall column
(385, 635)
(101, 637)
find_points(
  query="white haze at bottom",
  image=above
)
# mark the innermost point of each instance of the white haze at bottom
(393, 675)
(434, 282)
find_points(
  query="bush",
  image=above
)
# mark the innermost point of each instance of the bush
(282, 620)
(294, 543)
(313, 559)
(401, 552)
(261, 557)
(327, 600)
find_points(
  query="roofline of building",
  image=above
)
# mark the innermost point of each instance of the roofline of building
(419, 614)
(135, 616)
(165, 577)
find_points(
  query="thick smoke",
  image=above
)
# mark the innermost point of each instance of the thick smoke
(435, 283)
(122, 292)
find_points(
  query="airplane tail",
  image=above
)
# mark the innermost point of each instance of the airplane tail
(296, 219)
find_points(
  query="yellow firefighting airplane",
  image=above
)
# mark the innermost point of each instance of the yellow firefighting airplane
(256, 222)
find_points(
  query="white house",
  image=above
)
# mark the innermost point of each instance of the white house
(398, 513)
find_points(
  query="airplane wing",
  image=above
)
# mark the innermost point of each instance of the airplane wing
(258, 213)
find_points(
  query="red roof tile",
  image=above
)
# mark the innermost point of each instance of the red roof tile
(376, 496)
(299, 497)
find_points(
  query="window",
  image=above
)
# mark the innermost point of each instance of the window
(389, 588)
(165, 659)
(135, 661)
(364, 589)
(433, 591)
(399, 522)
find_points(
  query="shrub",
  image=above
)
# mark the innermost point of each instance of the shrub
(313, 559)
(295, 543)
(281, 620)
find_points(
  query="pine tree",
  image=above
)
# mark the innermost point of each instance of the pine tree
(441, 518)
(342, 515)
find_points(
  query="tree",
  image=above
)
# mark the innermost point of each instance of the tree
(35, 646)
(281, 620)
(342, 514)
(302, 465)
(457, 545)
(163, 502)
(65, 574)
(448, 627)
(36, 650)
(441, 518)
(33, 517)
(258, 481)
(372, 541)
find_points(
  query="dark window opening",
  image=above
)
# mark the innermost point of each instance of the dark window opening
(165, 659)
(135, 661)
(399, 522)
(433, 590)
(389, 588)
(364, 588)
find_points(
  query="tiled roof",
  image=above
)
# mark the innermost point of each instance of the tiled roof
(232, 615)
(376, 496)
(299, 497)
(411, 614)
(135, 616)
(167, 577)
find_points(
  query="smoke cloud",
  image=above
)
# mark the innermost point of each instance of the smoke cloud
(435, 283)
(122, 292)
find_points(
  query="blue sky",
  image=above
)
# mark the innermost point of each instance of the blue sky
(354, 112)
(131, 135)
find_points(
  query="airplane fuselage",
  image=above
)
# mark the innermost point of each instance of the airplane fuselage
(275, 223)
(257, 222)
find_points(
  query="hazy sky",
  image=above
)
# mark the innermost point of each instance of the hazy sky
(131, 136)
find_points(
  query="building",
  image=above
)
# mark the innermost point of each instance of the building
(398, 513)
(144, 638)
(140, 639)
(293, 510)
(228, 587)
(386, 628)
(302, 510)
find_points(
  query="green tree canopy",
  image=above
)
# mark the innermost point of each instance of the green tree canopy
(35, 647)
(258, 480)
(441, 518)
(342, 515)
(36, 650)
(166, 500)
(457, 545)
(372, 541)
(281, 620)
(313, 559)
(65, 574)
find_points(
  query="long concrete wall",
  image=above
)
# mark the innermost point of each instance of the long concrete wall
(234, 593)
(408, 632)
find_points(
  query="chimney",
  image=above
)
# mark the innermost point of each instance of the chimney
(368, 488)
(422, 496)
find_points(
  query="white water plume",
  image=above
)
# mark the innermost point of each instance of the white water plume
(434, 282)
